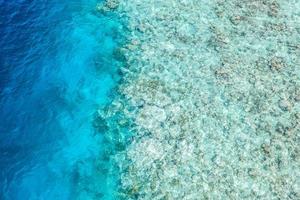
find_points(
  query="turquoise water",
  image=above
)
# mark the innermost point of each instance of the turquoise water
(208, 107)
(57, 69)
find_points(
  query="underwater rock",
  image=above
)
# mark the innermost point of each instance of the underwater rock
(266, 148)
(297, 96)
(222, 74)
(285, 104)
(100, 124)
(277, 63)
(236, 19)
(280, 128)
(112, 4)
(108, 5)
(273, 9)
(119, 54)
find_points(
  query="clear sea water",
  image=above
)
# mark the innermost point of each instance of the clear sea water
(56, 69)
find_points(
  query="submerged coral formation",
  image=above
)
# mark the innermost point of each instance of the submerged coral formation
(211, 96)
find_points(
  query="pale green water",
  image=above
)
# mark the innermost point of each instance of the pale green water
(212, 91)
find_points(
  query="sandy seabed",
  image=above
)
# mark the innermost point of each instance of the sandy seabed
(211, 90)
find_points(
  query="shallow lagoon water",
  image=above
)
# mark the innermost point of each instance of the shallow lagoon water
(213, 89)
(56, 68)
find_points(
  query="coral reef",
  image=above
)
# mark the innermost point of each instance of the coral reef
(211, 90)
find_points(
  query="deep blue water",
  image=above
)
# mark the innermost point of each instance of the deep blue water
(56, 69)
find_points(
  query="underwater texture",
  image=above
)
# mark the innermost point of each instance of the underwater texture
(150, 99)
(212, 91)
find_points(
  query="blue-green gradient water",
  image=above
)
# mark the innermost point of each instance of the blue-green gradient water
(56, 69)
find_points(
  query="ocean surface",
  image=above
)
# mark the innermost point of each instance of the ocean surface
(56, 70)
